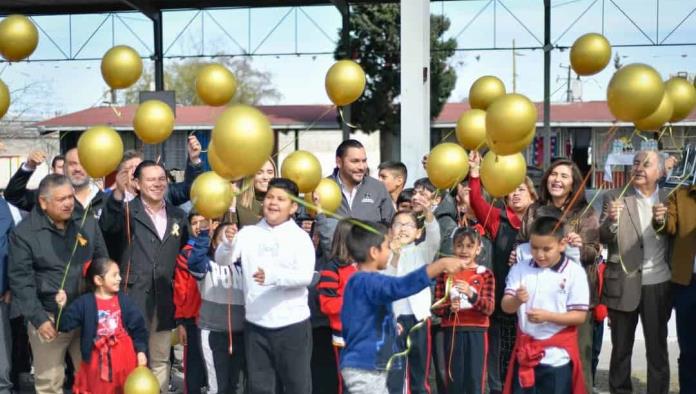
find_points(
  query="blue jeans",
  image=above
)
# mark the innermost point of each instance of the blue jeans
(685, 307)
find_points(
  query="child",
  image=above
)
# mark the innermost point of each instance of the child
(407, 256)
(187, 303)
(550, 295)
(465, 316)
(222, 310)
(332, 285)
(277, 260)
(403, 202)
(113, 330)
(369, 329)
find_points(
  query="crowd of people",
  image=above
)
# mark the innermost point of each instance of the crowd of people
(399, 290)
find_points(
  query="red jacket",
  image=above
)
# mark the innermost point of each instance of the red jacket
(487, 213)
(528, 352)
(330, 287)
(187, 297)
(482, 303)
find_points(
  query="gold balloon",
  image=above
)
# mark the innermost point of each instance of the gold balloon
(329, 194)
(471, 129)
(634, 92)
(590, 53)
(509, 148)
(683, 97)
(121, 67)
(345, 82)
(4, 99)
(484, 91)
(211, 195)
(500, 175)
(141, 381)
(303, 168)
(218, 165)
(153, 121)
(100, 150)
(215, 84)
(18, 38)
(448, 164)
(657, 119)
(509, 118)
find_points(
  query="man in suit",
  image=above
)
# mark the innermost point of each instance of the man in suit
(152, 231)
(637, 278)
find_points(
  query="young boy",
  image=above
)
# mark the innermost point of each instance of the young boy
(550, 295)
(277, 259)
(465, 316)
(369, 329)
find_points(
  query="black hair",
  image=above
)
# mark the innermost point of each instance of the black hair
(418, 220)
(547, 225)
(395, 166)
(425, 184)
(469, 233)
(285, 184)
(51, 181)
(56, 159)
(406, 195)
(362, 237)
(347, 144)
(193, 213)
(97, 267)
(545, 196)
(145, 164)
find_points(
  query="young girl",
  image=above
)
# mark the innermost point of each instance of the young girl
(407, 256)
(113, 330)
(465, 316)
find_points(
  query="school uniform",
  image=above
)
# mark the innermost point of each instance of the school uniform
(411, 310)
(466, 338)
(546, 358)
(278, 333)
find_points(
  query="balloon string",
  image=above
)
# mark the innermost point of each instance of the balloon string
(451, 352)
(488, 214)
(316, 208)
(343, 119)
(116, 111)
(128, 236)
(390, 362)
(311, 125)
(482, 143)
(229, 315)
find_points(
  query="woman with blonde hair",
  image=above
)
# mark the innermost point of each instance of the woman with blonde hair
(246, 208)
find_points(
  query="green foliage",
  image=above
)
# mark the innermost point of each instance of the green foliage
(375, 44)
(253, 86)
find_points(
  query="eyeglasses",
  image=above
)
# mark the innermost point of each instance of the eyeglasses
(405, 225)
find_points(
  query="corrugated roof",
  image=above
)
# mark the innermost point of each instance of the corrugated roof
(318, 116)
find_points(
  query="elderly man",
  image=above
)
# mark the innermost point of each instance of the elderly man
(678, 219)
(637, 278)
(151, 232)
(47, 248)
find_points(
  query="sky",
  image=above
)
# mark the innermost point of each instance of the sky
(44, 89)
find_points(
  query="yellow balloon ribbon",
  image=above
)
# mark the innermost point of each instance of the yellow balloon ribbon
(390, 362)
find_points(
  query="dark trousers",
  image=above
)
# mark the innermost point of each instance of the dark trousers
(654, 310)
(21, 351)
(547, 380)
(194, 365)
(230, 369)
(437, 335)
(285, 351)
(416, 370)
(597, 338)
(685, 306)
(467, 353)
(501, 337)
(324, 369)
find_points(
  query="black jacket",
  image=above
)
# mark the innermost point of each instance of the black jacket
(39, 255)
(82, 313)
(6, 225)
(147, 263)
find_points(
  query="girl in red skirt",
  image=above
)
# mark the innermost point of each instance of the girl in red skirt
(113, 331)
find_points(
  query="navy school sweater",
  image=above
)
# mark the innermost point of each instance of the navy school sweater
(369, 327)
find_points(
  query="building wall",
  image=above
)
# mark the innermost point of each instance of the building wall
(14, 152)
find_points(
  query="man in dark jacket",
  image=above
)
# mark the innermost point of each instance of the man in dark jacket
(152, 231)
(46, 252)
(87, 194)
(6, 224)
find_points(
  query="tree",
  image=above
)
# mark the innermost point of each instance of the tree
(375, 44)
(253, 86)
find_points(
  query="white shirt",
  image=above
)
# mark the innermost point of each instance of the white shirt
(655, 269)
(349, 195)
(411, 258)
(286, 254)
(560, 289)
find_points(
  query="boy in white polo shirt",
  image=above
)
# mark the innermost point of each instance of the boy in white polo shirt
(277, 259)
(550, 295)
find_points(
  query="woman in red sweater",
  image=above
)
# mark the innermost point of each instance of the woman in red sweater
(501, 226)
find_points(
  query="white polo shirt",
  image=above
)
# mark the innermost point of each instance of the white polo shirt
(286, 254)
(561, 288)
